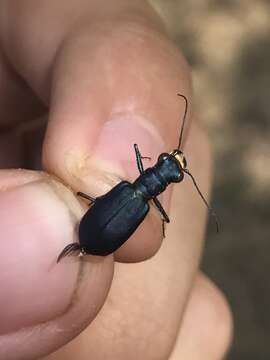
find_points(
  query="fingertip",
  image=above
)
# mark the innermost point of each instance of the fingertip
(206, 331)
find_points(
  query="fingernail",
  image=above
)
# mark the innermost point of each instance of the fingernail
(35, 225)
(114, 151)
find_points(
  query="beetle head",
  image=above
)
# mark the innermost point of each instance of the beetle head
(180, 157)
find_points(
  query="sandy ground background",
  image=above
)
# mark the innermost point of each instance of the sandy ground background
(227, 42)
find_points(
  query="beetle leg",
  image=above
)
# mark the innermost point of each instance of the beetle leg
(139, 159)
(165, 217)
(163, 228)
(85, 196)
(146, 157)
(69, 250)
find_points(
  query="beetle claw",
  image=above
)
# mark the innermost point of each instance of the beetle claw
(69, 250)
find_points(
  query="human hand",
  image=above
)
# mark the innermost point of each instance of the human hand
(108, 76)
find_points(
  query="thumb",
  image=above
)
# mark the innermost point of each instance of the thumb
(41, 299)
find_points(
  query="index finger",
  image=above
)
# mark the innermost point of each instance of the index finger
(111, 78)
(115, 85)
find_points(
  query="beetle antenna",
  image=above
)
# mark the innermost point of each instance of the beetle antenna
(68, 250)
(183, 121)
(211, 211)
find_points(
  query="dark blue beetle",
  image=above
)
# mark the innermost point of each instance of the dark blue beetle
(113, 217)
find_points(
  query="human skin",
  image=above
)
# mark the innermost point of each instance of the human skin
(106, 75)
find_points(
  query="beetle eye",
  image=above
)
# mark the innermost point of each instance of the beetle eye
(163, 157)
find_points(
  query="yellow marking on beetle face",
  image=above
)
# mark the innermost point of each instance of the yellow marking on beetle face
(179, 156)
(181, 159)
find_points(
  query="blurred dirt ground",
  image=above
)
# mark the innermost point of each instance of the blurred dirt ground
(227, 42)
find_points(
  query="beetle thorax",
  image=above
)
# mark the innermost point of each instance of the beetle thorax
(170, 168)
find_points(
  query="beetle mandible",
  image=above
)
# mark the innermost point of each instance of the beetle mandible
(113, 217)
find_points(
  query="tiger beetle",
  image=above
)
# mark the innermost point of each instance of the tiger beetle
(113, 217)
